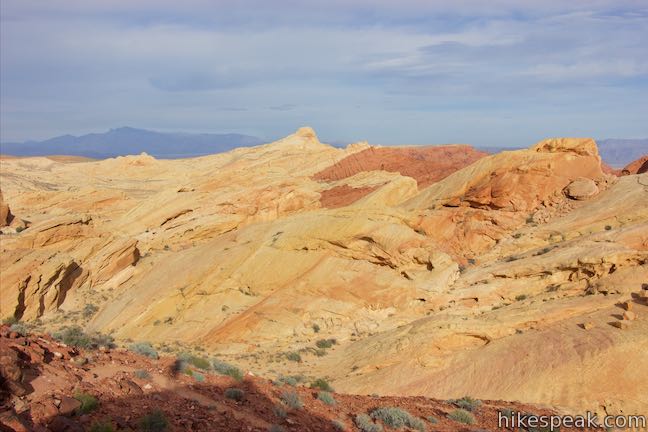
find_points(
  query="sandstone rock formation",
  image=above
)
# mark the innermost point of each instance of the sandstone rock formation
(425, 264)
(640, 166)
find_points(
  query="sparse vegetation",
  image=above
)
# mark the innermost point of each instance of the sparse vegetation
(294, 356)
(397, 418)
(339, 425)
(291, 380)
(20, 229)
(144, 348)
(326, 397)
(89, 310)
(11, 320)
(322, 384)
(101, 427)
(608, 227)
(199, 377)
(88, 402)
(18, 328)
(75, 336)
(468, 403)
(275, 428)
(365, 424)
(432, 419)
(279, 411)
(520, 297)
(462, 416)
(155, 421)
(199, 362)
(235, 394)
(142, 374)
(325, 343)
(224, 368)
(316, 328)
(292, 400)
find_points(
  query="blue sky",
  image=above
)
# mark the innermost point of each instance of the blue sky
(499, 72)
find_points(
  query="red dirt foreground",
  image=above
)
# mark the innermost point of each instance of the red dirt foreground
(49, 386)
(426, 164)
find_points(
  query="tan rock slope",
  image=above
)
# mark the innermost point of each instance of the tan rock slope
(456, 274)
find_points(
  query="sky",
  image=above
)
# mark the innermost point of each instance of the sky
(497, 72)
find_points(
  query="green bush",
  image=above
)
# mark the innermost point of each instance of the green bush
(326, 397)
(292, 400)
(101, 427)
(322, 384)
(145, 349)
(325, 343)
(227, 369)
(11, 320)
(339, 425)
(291, 380)
(279, 411)
(20, 229)
(467, 403)
(235, 394)
(462, 416)
(155, 421)
(365, 424)
(316, 328)
(88, 402)
(199, 362)
(432, 419)
(294, 356)
(520, 297)
(199, 377)
(89, 310)
(142, 374)
(75, 336)
(397, 418)
(19, 328)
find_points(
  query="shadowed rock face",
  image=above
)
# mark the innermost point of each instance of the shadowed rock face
(418, 269)
(5, 213)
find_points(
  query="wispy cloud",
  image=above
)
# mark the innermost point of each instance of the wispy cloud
(410, 71)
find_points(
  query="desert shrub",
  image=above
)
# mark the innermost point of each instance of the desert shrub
(316, 328)
(468, 403)
(227, 369)
(608, 227)
(322, 384)
(279, 411)
(325, 343)
(89, 310)
(294, 356)
(142, 374)
(432, 419)
(326, 397)
(339, 425)
(188, 372)
(292, 400)
(75, 336)
(200, 362)
(365, 424)
(520, 297)
(291, 380)
(506, 412)
(88, 402)
(155, 421)
(320, 352)
(199, 377)
(235, 394)
(102, 427)
(275, 428)
(397, 418)
(145, 349)
(18, 328)
(462, 416)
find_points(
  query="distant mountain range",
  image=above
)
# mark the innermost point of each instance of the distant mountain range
(128, 140)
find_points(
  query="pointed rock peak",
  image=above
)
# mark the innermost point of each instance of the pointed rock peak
(581, 146)
(304, 137)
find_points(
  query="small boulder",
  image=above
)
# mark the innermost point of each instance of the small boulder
(629, 316)
(627, 305)
(621, 324)
(588, 325)
(582, 188)
(68, 406)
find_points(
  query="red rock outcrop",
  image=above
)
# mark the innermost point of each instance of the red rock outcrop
(340, 196)
(426, 164)
(639, 166)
